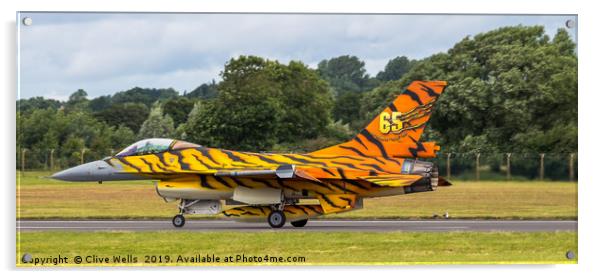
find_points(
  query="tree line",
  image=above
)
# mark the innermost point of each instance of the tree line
(513, 89)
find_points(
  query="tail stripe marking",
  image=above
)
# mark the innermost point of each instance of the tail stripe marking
(374, 141)
(413, 95)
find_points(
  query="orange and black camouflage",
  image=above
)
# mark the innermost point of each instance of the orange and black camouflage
(380, 161)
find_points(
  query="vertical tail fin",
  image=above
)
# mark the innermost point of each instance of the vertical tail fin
(396, 131)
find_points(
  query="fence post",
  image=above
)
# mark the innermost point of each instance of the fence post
(52, 159)
(82, 156)
(23, 150)
(477, 166)
(541, 167)
(448, 166)
(508, 172)
(572, 167)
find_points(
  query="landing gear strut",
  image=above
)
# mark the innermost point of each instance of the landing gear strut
(276, 219)
(178, 221)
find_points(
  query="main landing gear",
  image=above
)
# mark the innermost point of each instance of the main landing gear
(277, 219)
(299, 223)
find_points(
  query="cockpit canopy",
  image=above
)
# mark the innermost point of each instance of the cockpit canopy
(154, 145)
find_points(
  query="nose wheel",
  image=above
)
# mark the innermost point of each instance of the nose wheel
(276, 219)
(178, 221)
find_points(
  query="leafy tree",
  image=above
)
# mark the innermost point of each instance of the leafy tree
(200, 122)
(34, 127)
(132, 115)
(78, 96)
(345, 74)
(100, 103)
(180, 132)
(146, 96)
(396, 68)
(65, 132)
(84, 126)
(510, 89)
(346, 107)
(178, 109)
(262, 102)
(121, 138)
(246, 112)
(71, 150)
(348, 78)
(157, 125)
(78, 100)
(204, 91)
(335, 133)
(25, 106)
(306, 99)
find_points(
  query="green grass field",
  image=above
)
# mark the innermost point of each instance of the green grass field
(43, 198)
(322, 248)
(39, 197)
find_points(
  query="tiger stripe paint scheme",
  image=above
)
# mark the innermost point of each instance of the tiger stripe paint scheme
(396, 131)
(259, 213)
(380, 161)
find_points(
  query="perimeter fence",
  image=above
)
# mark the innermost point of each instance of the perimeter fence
(463, 166)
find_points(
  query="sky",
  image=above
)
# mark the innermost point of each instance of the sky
(104, 53)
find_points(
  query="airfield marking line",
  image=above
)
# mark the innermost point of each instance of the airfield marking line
(117, 220)
(450, 221)
(322, 221)
(441, 228)
(314, 225)
(81, 228)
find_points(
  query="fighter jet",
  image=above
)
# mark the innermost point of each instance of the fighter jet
(382, 160)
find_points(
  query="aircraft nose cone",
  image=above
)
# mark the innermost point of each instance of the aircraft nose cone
(79, 173)
(94, 171)
(60, 175)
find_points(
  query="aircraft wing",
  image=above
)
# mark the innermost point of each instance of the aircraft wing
(283, 171)
(290, 171)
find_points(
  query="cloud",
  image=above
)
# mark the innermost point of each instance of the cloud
(104, 53)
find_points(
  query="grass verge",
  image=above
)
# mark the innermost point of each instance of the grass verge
(39, 197)
(316, 248)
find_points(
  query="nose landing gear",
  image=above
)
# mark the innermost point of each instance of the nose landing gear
(178, 221)
(276, 219)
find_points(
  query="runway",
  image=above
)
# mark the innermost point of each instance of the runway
(312, 225)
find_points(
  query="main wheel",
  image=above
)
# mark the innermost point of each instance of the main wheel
(178, 221)
(299, 223)
(276, 219)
